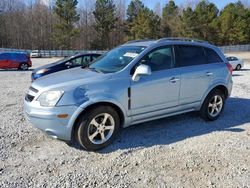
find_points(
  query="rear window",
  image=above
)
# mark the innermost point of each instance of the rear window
(212, 56)
(187, 55)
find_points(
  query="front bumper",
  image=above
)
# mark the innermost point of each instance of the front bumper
(47, 120)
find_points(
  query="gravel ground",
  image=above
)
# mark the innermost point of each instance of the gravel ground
(181, 151)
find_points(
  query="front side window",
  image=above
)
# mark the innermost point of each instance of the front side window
(94, 57)
(86, 59)
(116, 59)
(76, 62)
(187, 55)
(159, 59)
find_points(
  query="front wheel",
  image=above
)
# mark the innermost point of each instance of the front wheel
(97, 128)
(213, 105)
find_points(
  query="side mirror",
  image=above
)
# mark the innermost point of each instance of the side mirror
(141, 70)
(68, 64)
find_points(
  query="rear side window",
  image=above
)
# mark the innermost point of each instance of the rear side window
(18, 57)
(187, 55)
(212, 56)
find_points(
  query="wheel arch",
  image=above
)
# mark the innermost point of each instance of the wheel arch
(94, 105)
(220, 87)
(223, 89)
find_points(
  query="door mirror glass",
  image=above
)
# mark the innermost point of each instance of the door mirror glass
(141, 70)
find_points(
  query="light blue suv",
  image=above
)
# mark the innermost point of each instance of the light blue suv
(133, 83)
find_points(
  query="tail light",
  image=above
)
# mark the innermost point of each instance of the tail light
(230, 68)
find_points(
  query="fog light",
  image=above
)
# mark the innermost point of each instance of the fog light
(63, 116)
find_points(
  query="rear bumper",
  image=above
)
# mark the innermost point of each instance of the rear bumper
(47, 120)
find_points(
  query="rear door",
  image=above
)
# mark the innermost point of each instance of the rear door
(196, 73)
(15, 60)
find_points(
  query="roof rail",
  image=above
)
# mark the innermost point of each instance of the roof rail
(141, 40)
(182, 39)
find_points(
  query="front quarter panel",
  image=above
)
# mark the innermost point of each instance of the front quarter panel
(113, 91)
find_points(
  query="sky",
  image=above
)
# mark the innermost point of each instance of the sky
(219, 3)
(152, 3)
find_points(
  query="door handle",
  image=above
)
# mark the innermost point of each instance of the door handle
(174, 80)
(209, 73)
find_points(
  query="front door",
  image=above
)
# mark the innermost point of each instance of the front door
(157, 91)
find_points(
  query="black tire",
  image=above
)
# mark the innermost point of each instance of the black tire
(205, 109)
(24, 66)
(84, 126)
(238, 67)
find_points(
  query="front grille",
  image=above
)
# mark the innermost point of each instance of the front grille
(29, 98)
(33, 89)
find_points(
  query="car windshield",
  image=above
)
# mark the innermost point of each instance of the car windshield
(116, 59)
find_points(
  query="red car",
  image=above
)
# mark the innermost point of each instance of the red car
(9, 60)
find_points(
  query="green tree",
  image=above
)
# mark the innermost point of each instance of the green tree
(133, 10)
(234, 24)
(188, 21)
(146, 25)
(64, 28)
(201, 23)
(105, 18)
(206, 15)
(170, 23)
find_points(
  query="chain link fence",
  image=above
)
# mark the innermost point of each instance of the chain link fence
(51, 53)
(235, 48)
(65, 53)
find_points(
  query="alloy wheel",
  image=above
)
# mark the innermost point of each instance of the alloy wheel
(101, 128)
(215, 105)
(24, 66)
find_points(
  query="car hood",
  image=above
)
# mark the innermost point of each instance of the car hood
(70, 77)
(48, 66)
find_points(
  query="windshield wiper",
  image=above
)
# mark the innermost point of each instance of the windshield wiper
(96, 70)
(85, 66)
(91, 68)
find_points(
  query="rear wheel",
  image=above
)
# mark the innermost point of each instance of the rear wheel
(24, 66)
(97, 128)
(238, 67)
(213, 105)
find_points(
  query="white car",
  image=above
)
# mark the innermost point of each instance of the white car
(35, 53)
(236, 63)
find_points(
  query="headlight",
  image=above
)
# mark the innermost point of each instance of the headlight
(50, 98)
(42, 71)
